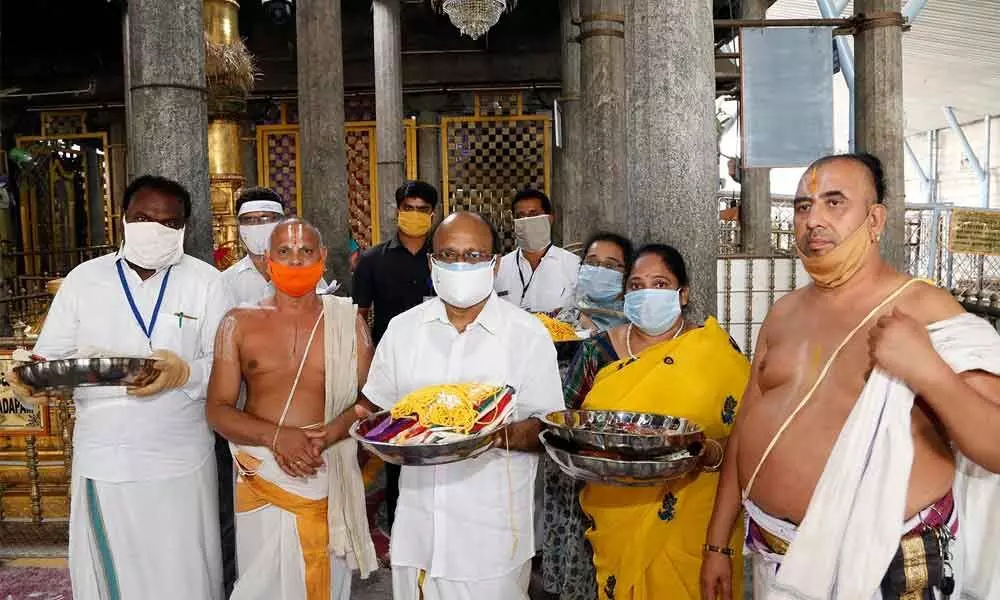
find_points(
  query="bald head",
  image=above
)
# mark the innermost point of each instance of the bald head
(296, 242)
(464, 231)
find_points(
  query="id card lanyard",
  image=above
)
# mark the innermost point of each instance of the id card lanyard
(147, 330)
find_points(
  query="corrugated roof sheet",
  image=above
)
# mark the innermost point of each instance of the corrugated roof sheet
(951, 56)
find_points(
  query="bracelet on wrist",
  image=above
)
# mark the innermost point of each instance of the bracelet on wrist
(719, 549)
(722, 456)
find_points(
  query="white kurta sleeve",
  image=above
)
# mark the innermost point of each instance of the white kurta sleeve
(58, 338)
(541, 390)
(217, 304)
(381, 388)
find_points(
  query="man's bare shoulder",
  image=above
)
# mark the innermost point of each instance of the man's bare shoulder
(928, 303)
(248, 316)
(787, 304)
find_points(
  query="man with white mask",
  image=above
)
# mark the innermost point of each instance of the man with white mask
(258, 212)
(143, 517)
(464, 530)
(538, 276)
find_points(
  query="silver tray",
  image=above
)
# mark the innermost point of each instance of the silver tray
(632, 434)
(625, 473)
(87, 372)
(418, 455)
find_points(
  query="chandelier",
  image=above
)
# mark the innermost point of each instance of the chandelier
(474, 17)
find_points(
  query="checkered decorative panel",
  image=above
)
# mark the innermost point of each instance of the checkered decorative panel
(499, 104)
(489, 160)
(360, 183)
(63, 122)
(282, 163)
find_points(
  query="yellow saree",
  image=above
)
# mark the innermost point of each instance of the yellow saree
(648, 541)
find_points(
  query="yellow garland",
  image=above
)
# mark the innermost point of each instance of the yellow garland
(558, 330)
(448, 405)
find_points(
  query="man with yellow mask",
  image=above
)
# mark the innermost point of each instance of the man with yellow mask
(863, 449)
(394, 276)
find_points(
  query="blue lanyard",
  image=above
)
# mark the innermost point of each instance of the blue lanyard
(135, 309)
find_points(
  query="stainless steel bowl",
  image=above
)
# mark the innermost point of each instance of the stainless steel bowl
(87, 372)
(626, 473)
(633, 434)
(418, 455)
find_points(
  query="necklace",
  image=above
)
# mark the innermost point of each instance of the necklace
(628, 339)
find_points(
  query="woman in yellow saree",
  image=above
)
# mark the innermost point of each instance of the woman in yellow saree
(648, 542)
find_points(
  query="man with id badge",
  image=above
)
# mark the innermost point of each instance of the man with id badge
(144, 511)
(538, 276)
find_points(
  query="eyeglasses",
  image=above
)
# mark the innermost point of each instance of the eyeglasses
(607, 264)
(423, 209)
(259, 219)
(469, 256)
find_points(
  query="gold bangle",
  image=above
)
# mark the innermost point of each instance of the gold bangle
(722, 456)
(718, 549)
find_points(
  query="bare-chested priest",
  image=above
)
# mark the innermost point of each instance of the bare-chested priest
(303, 358)
(852, 497)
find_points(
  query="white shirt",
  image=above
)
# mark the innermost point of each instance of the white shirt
(120, 437)
(247, 286)
(469, 520)
(549, 288)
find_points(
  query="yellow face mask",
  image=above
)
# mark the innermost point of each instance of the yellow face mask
(414, 223)
(837, 266)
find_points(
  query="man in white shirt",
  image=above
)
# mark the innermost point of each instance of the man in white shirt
(144, 515)
(258, 212)
(538, 276)
(464, 530)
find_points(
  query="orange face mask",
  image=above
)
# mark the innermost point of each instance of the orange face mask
(295, 281)
(837, 266)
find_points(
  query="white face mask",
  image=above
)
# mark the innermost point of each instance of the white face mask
(462, 284)
(151, 245)
(533, 233)
(257, 238)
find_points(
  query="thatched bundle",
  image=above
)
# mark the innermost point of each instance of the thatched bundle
(229, 71)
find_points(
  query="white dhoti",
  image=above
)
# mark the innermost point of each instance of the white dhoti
(851, 531)
(410, 583)
(146, 539)
(282, 537)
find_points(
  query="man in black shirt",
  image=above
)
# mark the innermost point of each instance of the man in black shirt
(394, 276)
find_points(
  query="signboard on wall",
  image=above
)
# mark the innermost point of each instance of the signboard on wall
(787, 89)
(975, 231)
(18, 417)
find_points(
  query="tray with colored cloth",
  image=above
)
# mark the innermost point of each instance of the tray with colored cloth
(403, 437)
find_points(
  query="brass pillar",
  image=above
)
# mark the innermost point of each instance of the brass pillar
(229, 72)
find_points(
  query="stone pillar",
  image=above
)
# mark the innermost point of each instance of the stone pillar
(671, 134)
(878, 88)
(755, 185)
(429, 149)
(572, 206)
(602, 199)
(168, 116)
(321, 128)
(388, 110)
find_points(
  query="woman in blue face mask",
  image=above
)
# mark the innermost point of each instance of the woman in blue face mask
(648, 542)
(600, 286)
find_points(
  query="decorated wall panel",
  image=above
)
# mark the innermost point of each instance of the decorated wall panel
(278, 168)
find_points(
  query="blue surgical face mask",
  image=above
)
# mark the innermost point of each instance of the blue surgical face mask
(653, 311)
(599, 284)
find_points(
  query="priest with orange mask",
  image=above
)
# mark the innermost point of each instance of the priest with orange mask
(303, 358)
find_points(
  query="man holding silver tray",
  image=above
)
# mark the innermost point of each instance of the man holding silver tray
(144, 512)
(464, 529)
